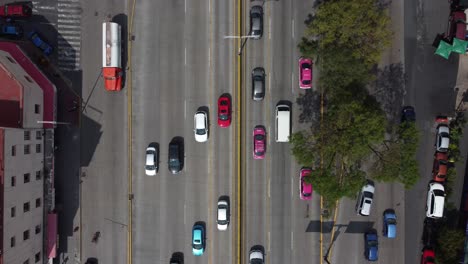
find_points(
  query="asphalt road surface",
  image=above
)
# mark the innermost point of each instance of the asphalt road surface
(103, 144)
(275, 216)
(430, 89)
(182, 63)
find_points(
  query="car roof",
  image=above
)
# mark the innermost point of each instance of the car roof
(368, 188)
(200, 119)
(366, 206)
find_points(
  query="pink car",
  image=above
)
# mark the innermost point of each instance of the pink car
(259, 141)
(305, 188)
(305, 73)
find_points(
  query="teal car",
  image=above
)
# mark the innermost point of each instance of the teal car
(198, 240)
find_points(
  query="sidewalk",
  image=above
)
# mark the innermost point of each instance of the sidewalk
(461, 86)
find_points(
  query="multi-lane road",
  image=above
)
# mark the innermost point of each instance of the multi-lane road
(181, 61)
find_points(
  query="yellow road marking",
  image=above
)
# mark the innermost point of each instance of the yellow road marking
(239, 60)
(129, 139)
(211, 146)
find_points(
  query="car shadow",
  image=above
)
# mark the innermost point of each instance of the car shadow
(177, 257)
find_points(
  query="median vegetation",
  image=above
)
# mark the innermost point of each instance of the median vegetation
(355, 139)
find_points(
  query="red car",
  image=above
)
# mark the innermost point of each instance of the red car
(305, 188)
(428, 256)
(439, 168)
(305, 73)
(15, 10)
(224, 111)
(259, 142)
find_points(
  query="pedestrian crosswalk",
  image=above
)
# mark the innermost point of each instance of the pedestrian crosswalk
(68, 25)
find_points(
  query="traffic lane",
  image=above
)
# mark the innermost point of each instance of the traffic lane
(155, 95)
(104, 188)
(348, 245)
(305, 223)
(431, 80)
(282, 232)
(224, 141)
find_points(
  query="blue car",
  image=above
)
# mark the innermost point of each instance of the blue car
(389, 223)
(11, 31)
(198, 240)
(39, 42)
(371, 246)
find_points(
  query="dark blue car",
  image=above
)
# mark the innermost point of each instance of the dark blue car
(11, 31)
(371, 246)
(39, 42)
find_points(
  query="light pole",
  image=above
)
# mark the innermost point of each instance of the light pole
(243, 43)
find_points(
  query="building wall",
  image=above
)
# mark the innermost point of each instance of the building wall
(32, 94)
(20, 189)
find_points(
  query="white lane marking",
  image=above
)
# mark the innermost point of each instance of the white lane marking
(292, 82)
(185, 6)
(292, 28)
(185, 56)
(185, 109)
(185, 210)
(269, 136)
(209, 55)
(269, 83)
(45, 7)
(268, 246)
(292, 240)
(269, 188)
(269, 29)
(209, 6)
(292, 187)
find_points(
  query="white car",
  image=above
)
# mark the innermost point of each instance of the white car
(201, 126)
(152, 160)
(256, 257)
(435, 200)
(365, 198)
(442, 138)
(223, 214)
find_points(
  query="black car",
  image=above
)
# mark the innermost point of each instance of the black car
(258, 84)
(408, 114)
(175, 161)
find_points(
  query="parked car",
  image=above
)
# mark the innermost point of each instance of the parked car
(442, 138)
(11, 31)
(408, 114)
(39, 42)
(256, 256)
(389, 223)
(365, 198)
(15, 10)
(256, 22)
(223, 214)
(305, 73)
(428, 256)
(371, 245)
(435, 200)
(259, 142)
(440, 166)
(305, 189)
(258, 84)
(224, 111)
(456, 25)
(201, 126)
(152, 161)
(175, 161)
(198, 240)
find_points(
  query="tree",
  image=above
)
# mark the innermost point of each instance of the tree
(451, 243)
(346, 41)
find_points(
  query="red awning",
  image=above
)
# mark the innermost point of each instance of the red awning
(51, 235)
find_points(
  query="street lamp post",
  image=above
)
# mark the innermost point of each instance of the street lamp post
(243, 43)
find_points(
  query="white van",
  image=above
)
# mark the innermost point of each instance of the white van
(283, 123)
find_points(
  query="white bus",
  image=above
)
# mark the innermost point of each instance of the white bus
(283, 123)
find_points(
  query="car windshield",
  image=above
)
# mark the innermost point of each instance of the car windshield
(259, 137)
(174, 163)
(372, 243)
(368, 195)
(438, 193)
(391, 221)
(197, 244)
(150, 167)
(200, 131)
(223, 116)
(430, 260)
(306, 81)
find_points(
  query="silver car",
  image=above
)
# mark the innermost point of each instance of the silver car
(256, 22)
(152, 161)
(258, 84)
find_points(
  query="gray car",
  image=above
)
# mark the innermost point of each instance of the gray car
(175, 162)
(258, 84)
(256, 22)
